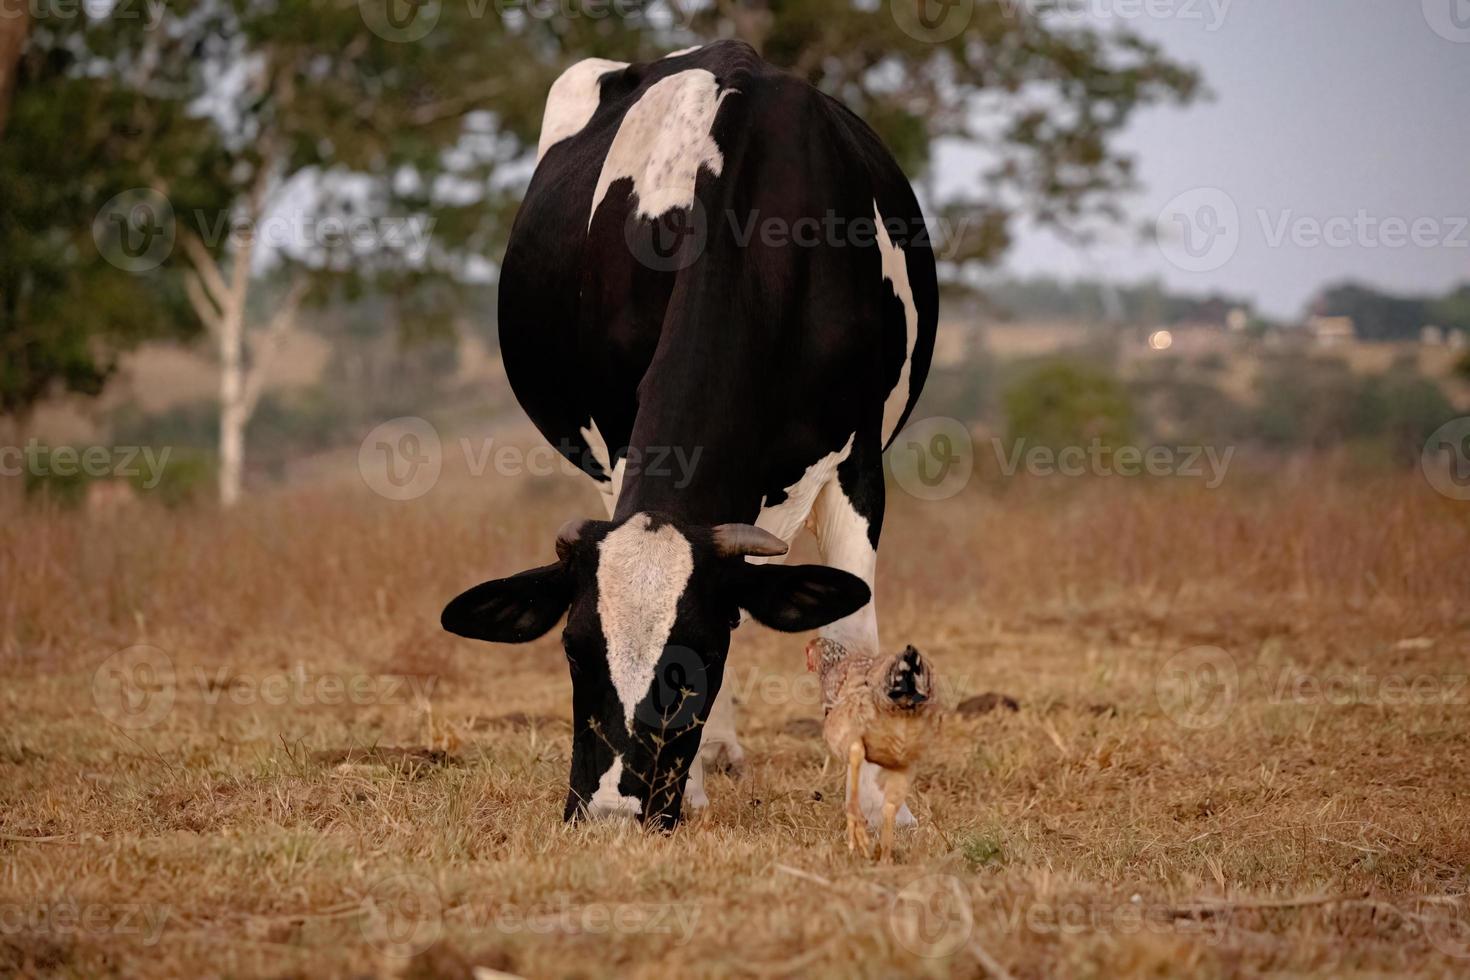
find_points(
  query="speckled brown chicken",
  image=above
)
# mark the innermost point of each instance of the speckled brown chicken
(881, 709)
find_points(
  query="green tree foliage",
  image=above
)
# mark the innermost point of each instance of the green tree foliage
(65, 312)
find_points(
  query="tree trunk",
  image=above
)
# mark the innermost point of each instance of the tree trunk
(15, 25)
(221, 306)
(232, 411)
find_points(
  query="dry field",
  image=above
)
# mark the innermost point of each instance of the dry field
(238, 745)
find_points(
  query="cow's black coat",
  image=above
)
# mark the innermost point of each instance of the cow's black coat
(764, 357)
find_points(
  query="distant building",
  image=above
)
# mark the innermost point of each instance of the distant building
(1332, 330)
(1431, 336)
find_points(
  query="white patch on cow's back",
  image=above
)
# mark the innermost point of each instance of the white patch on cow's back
(688, 50)
(612, 484)
(663, 142)
(572, 101)
(608, 799)
(641, 573)
(597, 444)
(896, 272)
(613, 488)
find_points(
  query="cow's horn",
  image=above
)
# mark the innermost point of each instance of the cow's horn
(567, 536)
(733, 540)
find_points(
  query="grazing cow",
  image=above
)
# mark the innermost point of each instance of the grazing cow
(716, 265)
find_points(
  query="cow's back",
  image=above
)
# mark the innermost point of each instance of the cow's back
(785, 318)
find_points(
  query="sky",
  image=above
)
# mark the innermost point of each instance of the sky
(1336, 145)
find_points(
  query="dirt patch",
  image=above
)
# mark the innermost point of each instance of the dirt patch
(984, 704)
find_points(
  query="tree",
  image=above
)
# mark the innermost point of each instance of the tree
(65, 311)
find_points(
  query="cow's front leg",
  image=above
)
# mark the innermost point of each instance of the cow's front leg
(694, 795)
(720, 749)
(847, 535)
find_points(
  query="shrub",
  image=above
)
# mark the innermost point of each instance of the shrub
(1413, 407)
(67, 489)
(1067, 404)
(187, 478)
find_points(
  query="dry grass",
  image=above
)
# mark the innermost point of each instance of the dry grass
(255, 831)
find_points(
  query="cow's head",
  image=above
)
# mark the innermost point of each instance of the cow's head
(650, 604)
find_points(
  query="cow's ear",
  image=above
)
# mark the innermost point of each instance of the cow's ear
(798, 597)
(511, 610)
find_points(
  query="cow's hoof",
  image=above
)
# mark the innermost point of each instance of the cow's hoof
(724, 757)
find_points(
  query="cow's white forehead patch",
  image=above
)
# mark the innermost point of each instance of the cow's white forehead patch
(641, 573)
(663, 141)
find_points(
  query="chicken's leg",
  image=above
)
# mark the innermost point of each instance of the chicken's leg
(895, 788)
(857, 824)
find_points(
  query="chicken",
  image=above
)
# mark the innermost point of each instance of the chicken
(880, 709)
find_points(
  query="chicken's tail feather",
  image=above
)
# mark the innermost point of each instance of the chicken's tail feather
(910, 679)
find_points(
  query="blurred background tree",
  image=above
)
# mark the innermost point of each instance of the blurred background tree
(65, 312)
(221, 118)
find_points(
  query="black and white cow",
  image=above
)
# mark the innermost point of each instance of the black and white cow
(778, 343)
